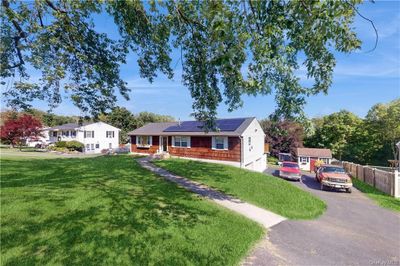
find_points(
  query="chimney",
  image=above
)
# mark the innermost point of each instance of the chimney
(179, 122)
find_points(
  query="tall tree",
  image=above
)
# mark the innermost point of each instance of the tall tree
(17, 131)
(335, 132)
(283, 136)
(121, 118)
(383, 125)
(143, 118)
(217, 40)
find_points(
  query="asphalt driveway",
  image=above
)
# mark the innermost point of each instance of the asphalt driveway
(353, 231)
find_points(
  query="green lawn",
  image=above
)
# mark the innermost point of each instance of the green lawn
(381, 198)
(32, 153)
(263, 190)
(108, 210)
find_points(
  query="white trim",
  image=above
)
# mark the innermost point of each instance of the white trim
(145, 146)
(189, 142)
(214, 144)
(161, 143)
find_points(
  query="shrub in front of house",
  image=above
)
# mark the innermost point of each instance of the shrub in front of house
(74, 145)
(272, 160)
(60, 144)
(65, 146)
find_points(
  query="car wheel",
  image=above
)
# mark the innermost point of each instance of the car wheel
(322, 187)
(348, 190)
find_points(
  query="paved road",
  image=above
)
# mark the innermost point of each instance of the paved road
(353, 231)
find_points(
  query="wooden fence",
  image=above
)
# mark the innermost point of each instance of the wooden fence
(386, 181)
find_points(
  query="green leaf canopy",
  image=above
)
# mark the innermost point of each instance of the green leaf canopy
(227, 48)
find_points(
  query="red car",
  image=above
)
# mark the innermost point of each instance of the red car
(290, 170)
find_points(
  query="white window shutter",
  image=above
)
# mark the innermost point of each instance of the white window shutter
(225, 143)
(189, 143)
(213, 143)
(173, 141)
(151, 140)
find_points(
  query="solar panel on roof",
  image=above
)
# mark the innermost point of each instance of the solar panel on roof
(197, 126)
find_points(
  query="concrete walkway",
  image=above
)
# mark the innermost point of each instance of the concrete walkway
(262, 216)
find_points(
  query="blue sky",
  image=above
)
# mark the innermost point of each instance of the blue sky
(361, 79)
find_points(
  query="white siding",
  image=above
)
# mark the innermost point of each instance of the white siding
(253, 157)
(100, 141)
(304, 165)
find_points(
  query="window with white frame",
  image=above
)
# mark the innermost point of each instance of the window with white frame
(304, 159)
(219, 143)
(325, 160)
(73, 134)
(54, 133)
(92, 146)
(110, 134)
(181, 141)
(249, 141)
(143, 141)
(88, 147)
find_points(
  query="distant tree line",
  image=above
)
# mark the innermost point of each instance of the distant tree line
(119, 117)
(370, 140)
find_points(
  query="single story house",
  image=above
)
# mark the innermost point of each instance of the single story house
(306, 157)
(96, 136)
(238, 141)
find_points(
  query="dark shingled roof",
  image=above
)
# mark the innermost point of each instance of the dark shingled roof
(228, 127)
(314, 152)
(69, 126)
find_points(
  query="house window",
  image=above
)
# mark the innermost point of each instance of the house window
(88, 147)
(249, 141)
(73, 134)
(110, 145)
(89, 134)
(109, 134)
(220, 143)
(54, 133)
(143, 141)
(304, 159)
(97, 146)
(181, 141)
(325, 160)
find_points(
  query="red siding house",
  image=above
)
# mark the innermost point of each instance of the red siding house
(238, 141)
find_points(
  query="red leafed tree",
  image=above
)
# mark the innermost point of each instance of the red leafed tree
(283, 136)
(18, 130)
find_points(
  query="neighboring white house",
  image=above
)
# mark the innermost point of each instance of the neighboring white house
(306, 157)
(237, 141)
(96, 136)
(32, 142)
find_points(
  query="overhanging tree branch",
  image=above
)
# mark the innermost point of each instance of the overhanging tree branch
(370, 21)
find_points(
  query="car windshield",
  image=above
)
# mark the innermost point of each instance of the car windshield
(329, 169)
(290, 165)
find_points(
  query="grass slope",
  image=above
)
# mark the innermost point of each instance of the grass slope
(109, 210)
(263, 190)
(381, 198)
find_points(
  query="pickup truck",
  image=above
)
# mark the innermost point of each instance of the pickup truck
(333, 176)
